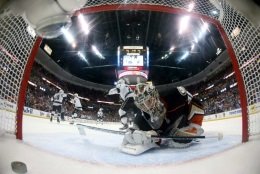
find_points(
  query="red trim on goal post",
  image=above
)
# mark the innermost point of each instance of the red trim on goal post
(240, 83)
(231, 53)
(24, 84)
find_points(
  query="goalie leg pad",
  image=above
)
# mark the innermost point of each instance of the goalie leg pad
(137, 142)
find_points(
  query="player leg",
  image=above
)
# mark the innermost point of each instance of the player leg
(73, 116)
(123, 119)
(58, 113)
(52, 112)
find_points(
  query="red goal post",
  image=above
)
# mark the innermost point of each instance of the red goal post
(243, 49)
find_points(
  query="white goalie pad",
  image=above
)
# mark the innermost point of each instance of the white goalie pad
(137, 142)
(137, 149)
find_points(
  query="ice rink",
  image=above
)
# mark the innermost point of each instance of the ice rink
(58, 148)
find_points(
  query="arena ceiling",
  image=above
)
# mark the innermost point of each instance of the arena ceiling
(180, 47)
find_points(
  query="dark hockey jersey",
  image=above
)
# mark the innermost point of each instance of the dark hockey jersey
(178, 103)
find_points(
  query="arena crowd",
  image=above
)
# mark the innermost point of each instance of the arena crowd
(223, 96)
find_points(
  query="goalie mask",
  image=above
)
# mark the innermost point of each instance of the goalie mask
(147, 99)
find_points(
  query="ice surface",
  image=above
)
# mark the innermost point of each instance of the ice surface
(58, 148)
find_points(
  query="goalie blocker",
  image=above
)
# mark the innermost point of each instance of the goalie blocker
(173, 113)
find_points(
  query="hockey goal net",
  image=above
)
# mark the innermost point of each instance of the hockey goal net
(18, 49)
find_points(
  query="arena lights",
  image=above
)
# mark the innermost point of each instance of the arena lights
(229, 75)
(211, 86)
(184, 24)
(172, 49)
(84, 24)
(235, 32)
(223, 90)
(95, 50)
(196, 39)
(47, 49)
(31, 83)
(190, 7)
(192, 46)
(69, 37)
(233, 85)
(31, 31)
(43, 89)
(184, 56)
(219, 50)
(214, 12)
(204, 28)
(50, 83)
(82, 57)
(166, 56)
(195, 94)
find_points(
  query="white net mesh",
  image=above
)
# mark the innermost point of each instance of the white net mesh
(16, 44)
(15, 48)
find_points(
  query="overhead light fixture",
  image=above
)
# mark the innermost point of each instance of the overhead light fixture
(211, 86)
(172, 49)
(223, 90)
(214, 12)
(235, 32)
(69, 37)
(204, 28)
(195, 94)
(82, 57)
(47, 49)
(219, 50)
(84, 24)
(95, 50)
(196, 39)
(233, 85)
(184, 56)
(31, 31)
(192, 46)
(191, 6)
(31, 83)
(184, 24)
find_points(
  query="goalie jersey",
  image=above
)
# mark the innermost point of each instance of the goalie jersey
(177, 108)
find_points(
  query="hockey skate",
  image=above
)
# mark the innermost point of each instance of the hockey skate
(51, 119)
(124, 127)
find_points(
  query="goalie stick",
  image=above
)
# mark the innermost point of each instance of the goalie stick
(218, 135)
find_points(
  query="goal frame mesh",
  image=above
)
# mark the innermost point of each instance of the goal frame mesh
(221, 21)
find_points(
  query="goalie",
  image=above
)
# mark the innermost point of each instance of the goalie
(171, 113)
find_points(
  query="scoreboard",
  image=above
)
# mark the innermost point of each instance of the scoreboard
(133, 63)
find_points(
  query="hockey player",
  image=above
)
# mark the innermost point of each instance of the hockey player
(57, 101)
(126, 94)
(100, 116)
(171, 113)
(77, 107)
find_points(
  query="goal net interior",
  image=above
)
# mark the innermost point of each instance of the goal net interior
(18, 48)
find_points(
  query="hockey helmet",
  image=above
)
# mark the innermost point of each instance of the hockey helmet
(76, 95)
(148, 100)
(61, 91)
(120, 82)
